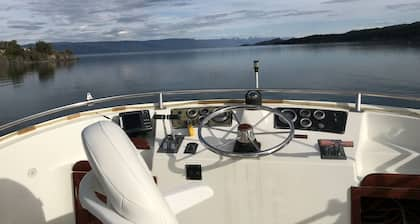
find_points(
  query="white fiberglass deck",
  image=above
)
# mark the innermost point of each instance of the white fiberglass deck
(290, 186)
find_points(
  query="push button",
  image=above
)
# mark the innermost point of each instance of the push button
(193, 172)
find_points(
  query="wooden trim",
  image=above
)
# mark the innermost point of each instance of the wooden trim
(26, 130)
(73, 116)
(393, 186)
(119, 108)
(356, 205)
(391, 180)
(82, 166)
(82, 216)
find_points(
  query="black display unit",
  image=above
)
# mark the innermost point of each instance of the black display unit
(313, 119)
(135, 121)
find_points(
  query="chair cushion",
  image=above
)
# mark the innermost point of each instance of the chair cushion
(124, 175)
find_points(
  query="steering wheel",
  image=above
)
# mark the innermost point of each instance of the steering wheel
(244, 128)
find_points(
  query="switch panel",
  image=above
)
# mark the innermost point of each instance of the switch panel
(191, 148)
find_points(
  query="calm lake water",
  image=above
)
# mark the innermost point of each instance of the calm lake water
(389, 69)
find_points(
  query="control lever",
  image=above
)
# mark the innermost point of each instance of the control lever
(325, 142)
(171, 144)
(333, 149)
(191, 131)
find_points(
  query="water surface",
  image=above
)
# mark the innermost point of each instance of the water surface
(389, 69)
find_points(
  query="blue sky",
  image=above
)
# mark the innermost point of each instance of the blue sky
(85, 20)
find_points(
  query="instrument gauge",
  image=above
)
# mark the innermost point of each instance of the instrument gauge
(290, 114)
(305, 122)
(319, 114)
(204, 111)
(305, 113)
(192, 113)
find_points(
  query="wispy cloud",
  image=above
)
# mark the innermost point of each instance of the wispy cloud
(338, 1)
(25, 25)
(306, 13)
(405, 6)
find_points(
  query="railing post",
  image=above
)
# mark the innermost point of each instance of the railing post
(359, 102)
(256, 70)
(161, 101)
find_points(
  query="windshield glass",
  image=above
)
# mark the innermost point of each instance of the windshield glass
(53, 52)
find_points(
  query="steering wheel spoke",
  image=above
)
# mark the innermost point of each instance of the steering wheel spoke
(272, 133)
(230, 141)
(224, 130)
(255, 145)
(262, 119)
(235, 116)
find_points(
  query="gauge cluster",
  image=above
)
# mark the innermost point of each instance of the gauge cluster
(194, 116)
(313, 119)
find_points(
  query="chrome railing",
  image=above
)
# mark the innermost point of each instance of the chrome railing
(161, 95)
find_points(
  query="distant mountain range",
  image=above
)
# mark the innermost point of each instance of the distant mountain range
(150, 45)
(404, 33)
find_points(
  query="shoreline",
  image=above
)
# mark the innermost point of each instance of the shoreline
(20, 60)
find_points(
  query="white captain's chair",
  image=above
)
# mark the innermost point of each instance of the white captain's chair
(122, 175)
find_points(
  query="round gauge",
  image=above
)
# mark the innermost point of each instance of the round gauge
(192, 113)
(221, 118)
(204, 111)
(290, 114)
(319, 114)
(305, 122)
(305, 113)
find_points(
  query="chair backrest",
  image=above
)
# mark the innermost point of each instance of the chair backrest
(124, 175)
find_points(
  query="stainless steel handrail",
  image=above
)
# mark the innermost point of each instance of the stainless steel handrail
(196, 91)
(395, 97)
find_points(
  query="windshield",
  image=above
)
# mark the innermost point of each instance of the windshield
(53, 52)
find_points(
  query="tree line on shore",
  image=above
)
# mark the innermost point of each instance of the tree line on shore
(40, 51)
(402, 33)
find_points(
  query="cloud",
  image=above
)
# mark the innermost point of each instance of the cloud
(25, 25)
(81, 20)
(305, 13)
(132, 18)
(122, 32)
(404, 6)
(214, 23)
(124, 5)
(338, 1)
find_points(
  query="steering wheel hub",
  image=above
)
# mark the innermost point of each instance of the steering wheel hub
(245, 133)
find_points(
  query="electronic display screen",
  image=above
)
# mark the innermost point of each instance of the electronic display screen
(131, 121)
(136, 121)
